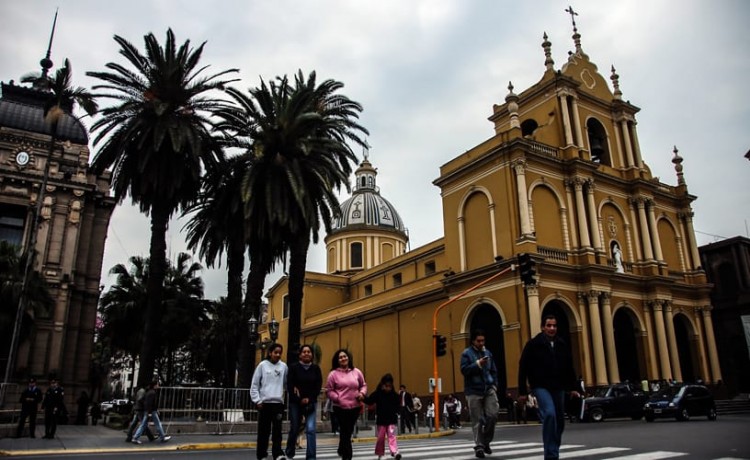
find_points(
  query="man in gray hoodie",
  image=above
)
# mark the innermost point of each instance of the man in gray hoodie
(267, 392)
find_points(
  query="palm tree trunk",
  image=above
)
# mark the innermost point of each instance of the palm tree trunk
(297, 266)
(154, 291)
(259, 268)
(235, 267)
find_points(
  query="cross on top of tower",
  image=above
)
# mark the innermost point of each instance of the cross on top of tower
(573, 14)
(366, 150)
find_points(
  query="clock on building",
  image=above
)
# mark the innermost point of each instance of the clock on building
(22, 158)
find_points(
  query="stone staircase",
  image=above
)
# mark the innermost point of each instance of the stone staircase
(738, 405)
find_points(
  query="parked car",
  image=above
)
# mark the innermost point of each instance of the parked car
(681, 403)
(120, 406)
(617, 400)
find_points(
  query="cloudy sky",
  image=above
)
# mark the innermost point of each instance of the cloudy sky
(428, 72)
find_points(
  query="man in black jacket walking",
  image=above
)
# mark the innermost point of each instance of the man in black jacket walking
(547, 364)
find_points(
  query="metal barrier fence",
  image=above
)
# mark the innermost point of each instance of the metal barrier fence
(217, 410)
(220, 409)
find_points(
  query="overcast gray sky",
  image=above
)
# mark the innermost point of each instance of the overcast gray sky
(428, 72)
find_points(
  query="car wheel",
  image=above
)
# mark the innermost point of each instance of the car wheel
(683, 415)
(649, 418)
(597, 414)
(712, 413)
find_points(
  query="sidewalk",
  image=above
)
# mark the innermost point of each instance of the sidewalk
(72, 439)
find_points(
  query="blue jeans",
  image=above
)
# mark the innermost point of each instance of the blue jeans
(295, 421)
(144, 425)
(552, 414)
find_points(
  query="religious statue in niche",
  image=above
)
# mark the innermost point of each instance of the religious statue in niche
(617, 258)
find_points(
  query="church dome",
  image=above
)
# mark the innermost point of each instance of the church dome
(23, 108)
(367, 209)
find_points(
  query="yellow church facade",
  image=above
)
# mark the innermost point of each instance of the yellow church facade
(562, 179)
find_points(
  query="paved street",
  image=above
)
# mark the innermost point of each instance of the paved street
(725, 439)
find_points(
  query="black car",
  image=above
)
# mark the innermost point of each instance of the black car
(681, 403)
(617, 400)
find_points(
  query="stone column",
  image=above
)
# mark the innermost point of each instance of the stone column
(609, 339)
(688, 217)
(672, 341)
(519, 166)
(645, 234)
(653, 369)
(593, 220)
(703, 354)
(600, 365)
(713, 355)
(571, 205)
(577, 122)
(654, 230)
(588, 374)
(626, 140)
(535, 316)
(565, 229)
(618, 146)
(632, 204)
(566, 119)
(661, 340)
(462, 242)
(581, 212)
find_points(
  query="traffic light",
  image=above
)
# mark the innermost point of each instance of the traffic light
(441, 345)
(526, 268)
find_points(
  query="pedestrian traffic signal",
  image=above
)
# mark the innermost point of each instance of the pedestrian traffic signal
(527, 268)
(441, 345)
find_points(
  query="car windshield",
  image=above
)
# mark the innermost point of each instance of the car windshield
(670, 392)
(601, 392)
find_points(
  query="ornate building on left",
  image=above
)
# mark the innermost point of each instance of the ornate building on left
(71, 231)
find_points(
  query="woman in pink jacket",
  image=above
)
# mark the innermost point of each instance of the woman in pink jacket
(346, 388)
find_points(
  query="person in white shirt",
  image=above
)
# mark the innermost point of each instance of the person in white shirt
(267, 392)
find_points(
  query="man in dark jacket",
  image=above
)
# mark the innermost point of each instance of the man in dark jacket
(54, 407)
(139, 411)
(404, 412)
(547, 364)
(30, 399)
(151, 412)
(480, 387)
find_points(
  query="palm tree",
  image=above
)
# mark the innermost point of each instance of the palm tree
(185, 315)
(123, 307)
(157, 140)
(297, 140)
(39, 302)
(216, 227)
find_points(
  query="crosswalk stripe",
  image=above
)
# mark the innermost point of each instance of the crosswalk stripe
(430, 449)
(657, 455)
(580, 453)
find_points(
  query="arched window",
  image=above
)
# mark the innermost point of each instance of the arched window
(528, 127)
(355, 260)
(598, 142)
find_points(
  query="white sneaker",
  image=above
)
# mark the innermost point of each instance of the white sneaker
(166, 438)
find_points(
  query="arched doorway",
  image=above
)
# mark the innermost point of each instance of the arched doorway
(626, 346)
(565, 322)
(487, 318)
(682, 333)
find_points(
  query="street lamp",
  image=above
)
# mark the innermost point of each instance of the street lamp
(252, 326)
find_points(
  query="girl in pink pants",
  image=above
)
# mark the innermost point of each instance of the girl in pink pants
(386, 416)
